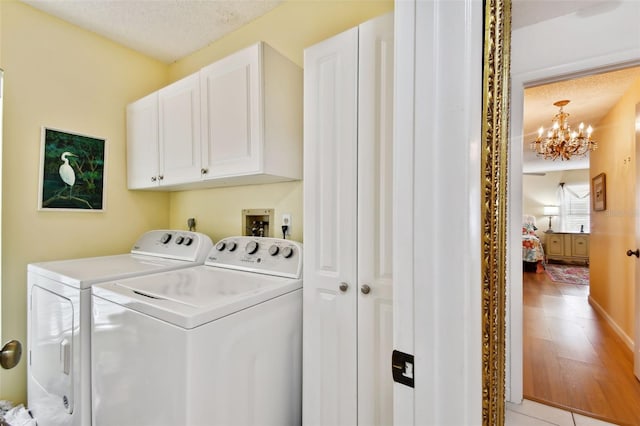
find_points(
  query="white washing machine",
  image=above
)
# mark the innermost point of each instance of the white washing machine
(217, 344)
(59, 318)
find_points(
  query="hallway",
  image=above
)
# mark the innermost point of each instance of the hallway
(572, 357)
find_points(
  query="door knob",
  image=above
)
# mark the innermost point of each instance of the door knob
(365, 289)
(10, 354)
(635, 253)
(343, 286)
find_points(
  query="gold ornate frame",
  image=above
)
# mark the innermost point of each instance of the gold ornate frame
(495, 139)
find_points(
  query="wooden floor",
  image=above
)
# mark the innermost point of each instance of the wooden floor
(572, 358)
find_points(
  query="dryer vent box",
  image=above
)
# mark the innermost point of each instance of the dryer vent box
(258, 222)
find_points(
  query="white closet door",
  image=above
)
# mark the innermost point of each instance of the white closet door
(375, 184)
(330, 202)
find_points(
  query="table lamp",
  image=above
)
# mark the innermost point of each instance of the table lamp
(551, 211)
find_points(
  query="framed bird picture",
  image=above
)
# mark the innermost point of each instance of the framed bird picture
(72, 172)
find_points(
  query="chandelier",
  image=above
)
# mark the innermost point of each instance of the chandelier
(560, 141)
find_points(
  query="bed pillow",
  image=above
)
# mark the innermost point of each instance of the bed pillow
(529, 229)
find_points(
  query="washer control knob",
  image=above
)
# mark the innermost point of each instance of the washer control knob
(251, 247)
(232, 246)
(220, 246)
(188, 241)
(287, 252)
(165, 238)
(273, 250)
(180, 240)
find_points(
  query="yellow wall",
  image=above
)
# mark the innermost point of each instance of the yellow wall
(289, 28)
(612, 231)
(60, 76)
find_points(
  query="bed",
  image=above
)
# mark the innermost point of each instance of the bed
(532, 251)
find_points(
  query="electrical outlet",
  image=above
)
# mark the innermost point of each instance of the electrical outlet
(286, 220)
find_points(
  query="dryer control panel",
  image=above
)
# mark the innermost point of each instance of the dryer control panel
(173, 244)
(272, 256)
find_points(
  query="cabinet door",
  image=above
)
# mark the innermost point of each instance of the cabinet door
(330, 179)
(375, 201)
(179, 115)
(555, 245)
(142, 143)
(580, 245)
(232, 114)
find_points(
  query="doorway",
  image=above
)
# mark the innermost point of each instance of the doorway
(602, 100)
(539, 67)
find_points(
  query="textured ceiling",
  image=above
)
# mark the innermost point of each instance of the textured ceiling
(172, 29)
(163, 29)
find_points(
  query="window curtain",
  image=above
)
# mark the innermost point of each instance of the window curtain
(561, 196)
(574, 207)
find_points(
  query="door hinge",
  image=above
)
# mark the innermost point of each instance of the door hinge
(402, 368)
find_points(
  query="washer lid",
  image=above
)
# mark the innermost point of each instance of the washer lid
(194, 296)
(84, 272)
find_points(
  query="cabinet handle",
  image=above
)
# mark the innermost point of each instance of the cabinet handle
(160, 177)
(635, 253)
(204, 171)
(365, 289)
(344, 286)
(153, 179)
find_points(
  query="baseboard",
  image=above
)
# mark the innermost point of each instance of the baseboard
(621, 334)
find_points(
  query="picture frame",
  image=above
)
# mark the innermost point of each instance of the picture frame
(72, 172)
(599, 192)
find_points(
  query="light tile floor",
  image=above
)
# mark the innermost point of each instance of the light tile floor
(531, 413)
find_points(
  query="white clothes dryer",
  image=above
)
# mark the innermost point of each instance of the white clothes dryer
(59, 318)
(217, 344)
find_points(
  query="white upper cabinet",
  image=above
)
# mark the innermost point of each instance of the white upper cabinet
(179, 135)
(252, 116)
(142, 143)
(231, 97)
(237, 121)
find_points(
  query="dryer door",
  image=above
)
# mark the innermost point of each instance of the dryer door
(51, 346)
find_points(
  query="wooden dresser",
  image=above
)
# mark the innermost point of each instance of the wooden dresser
(571, 247)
